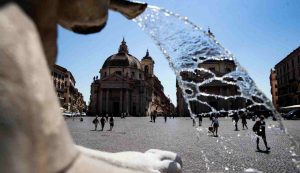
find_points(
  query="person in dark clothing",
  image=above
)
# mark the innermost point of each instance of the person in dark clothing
(111, 123)
(151, 116)
(154, 117)
(215, 125)
(165, 116)
(102, 121)
(200, 119)
(96, 122)
(235, 118)
(260, 129)
(244, 120)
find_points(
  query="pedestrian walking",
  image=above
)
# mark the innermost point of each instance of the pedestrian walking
(96, 122)
(154, 116)
(151, 117)
(200, 119)
(235, 118)
(165, 116)
(106, 116)
(102, 121)
(215, 125)
(194, 122)
(260, 129)
(244, 120)
(111, 123)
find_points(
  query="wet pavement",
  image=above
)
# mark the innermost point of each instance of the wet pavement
(232, 151)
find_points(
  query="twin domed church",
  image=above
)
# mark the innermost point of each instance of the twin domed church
(127, 85)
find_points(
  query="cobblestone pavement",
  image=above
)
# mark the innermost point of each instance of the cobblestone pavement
(232, 151)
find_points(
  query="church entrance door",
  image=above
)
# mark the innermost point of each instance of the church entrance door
(116, 109)
(134, 110)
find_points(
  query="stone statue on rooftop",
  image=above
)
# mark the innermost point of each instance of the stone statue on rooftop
(34, 136)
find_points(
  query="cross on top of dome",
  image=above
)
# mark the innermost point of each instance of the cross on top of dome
(123, 47)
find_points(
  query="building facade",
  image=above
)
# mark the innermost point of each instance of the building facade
(288, 79)
(274, 88)
(215, 87)
(69, 96)
(127, 85)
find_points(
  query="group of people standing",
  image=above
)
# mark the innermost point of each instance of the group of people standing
(102, 121)
(153, 116)
(124, 115)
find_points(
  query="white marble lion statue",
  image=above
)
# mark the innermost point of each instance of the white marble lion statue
(33, 135)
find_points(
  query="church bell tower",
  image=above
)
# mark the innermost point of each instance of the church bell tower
(147, 65)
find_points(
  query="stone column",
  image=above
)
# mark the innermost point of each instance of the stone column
(96, 100)
(107, 95)
(127, 100)
(121, 100)
(100, 101)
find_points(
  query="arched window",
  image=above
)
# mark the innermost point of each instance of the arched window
(146, 69)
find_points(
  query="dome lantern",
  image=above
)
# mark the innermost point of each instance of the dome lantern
(123, 47)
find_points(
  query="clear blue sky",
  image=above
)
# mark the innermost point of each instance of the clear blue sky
(258, 32)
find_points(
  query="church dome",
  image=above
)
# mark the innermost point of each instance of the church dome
(122, 59)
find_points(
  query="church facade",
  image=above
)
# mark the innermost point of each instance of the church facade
(127, 85)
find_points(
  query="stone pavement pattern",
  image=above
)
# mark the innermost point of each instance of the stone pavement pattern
(232, 151)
